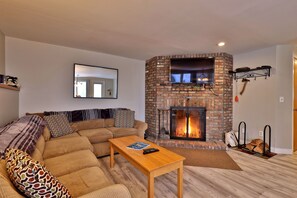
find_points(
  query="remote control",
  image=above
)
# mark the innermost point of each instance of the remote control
(150, 150)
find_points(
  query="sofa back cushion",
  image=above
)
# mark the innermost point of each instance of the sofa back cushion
(109, 122)
(38, 152)
(46, 134)
(87, 124)
(21, 134)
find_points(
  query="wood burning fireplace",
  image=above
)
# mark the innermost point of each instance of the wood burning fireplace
(188, 123)
(161, 94)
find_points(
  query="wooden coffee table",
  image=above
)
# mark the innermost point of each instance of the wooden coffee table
(153, 164)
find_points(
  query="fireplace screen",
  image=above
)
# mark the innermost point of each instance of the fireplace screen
(188, 123)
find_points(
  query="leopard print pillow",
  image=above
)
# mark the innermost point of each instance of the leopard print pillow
(31, 178)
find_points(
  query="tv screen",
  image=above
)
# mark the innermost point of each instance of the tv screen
(192, 70)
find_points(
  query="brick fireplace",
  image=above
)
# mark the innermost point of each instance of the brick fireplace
(161, 95)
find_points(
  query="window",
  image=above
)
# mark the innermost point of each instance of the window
(176, 78)
(187, 78)
(81, 89)
(97, 90)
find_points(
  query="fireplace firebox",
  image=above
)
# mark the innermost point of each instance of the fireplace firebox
(188, 123)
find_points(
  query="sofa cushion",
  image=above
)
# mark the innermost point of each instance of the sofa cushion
(124, 118)
(84, 181)
(56, 147)
(58, 125)
(87, 124)
(40, 144)
(97, 135)
(3, 171)
(71, 135)
(46, 134)
(68, 163)
(32, 178)
(7, 190)
(120, 132)
(109, 122)
(36, 155)
(115, 191)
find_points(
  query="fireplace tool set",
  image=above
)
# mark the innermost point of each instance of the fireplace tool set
(256, 145)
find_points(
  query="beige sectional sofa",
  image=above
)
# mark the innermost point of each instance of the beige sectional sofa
(73, 159)
(98, 132)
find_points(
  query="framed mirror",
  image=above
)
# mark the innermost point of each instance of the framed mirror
(95, 82)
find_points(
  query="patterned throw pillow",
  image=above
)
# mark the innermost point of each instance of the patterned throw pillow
(124, 119)
(31, 178)
(58, 125)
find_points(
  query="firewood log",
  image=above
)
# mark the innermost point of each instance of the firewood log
(259, 148)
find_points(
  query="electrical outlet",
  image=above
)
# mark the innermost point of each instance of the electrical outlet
(281, 99)
(261, 133)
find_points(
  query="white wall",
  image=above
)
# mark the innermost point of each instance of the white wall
(2, 53)
(259, 105)
(284, 88)
(9, 106)
(45, 73)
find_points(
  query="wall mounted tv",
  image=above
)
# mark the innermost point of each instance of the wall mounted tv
(192, 70)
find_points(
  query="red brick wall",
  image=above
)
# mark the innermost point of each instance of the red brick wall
(160, 93)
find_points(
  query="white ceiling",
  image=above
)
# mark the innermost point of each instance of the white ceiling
(141, 29)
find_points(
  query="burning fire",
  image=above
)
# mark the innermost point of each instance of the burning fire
(194, 128)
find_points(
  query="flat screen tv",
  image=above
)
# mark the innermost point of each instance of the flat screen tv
(192, 70)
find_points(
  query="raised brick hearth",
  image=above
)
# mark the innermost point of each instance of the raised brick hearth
(210, 145)
(161, 94)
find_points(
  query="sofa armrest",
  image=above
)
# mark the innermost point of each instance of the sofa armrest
(114, 191)
(141, 127)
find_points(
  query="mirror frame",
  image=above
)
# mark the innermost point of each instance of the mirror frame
(117, 83)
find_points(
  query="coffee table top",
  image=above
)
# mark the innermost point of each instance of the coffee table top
(149, 162)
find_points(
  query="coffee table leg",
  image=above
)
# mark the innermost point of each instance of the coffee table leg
(151, 183)
(111, 156)
(180, 181)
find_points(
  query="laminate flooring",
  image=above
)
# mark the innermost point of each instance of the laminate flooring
(275, 177)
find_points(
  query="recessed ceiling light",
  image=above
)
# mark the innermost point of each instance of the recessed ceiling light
(221, 44)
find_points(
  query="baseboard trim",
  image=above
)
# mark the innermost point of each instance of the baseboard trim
(282, 151)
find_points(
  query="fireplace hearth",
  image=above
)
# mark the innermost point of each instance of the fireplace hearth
(188, 123)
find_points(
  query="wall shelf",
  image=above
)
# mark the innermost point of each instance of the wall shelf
(4, 86)
(263, 71)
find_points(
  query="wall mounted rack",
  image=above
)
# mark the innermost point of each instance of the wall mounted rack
(240, 73)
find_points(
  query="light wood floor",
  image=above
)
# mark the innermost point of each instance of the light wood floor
(275, 177)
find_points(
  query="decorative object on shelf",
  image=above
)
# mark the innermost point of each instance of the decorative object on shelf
(12, 81)
(2, 77)
(246, 72)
